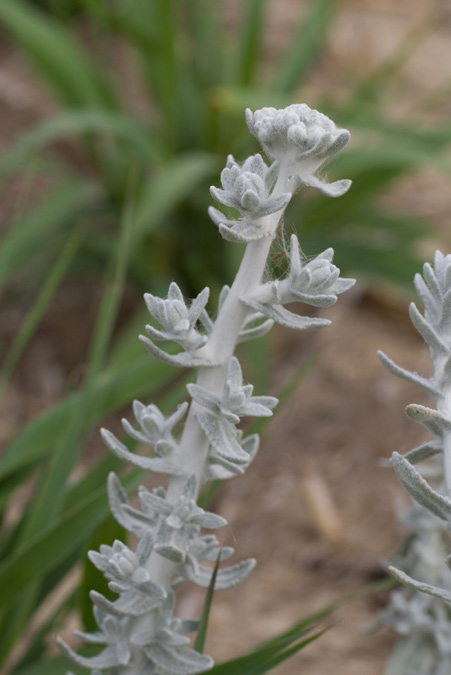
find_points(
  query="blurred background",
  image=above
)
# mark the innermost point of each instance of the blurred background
(115, 118)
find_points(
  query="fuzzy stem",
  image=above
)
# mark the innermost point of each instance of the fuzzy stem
(194, 445)
(443, 403)
(447, 447)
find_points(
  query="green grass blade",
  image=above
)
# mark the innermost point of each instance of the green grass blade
(35, 647)
(175, 181)
(47, 549)
(50, 218)
(201, 635)
(285, 655)
(54, 666)
(120, 126)
(267, 657)
(304, 48)
(65, 452)
(286, 643)
(9, 485)
(200, 70)
(247, 55)
(63, 64)
(205, 32)
(157, 41)
(113, 389)
(39, 307)
(66, 446)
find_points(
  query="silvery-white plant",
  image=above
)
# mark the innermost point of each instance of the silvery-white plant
(420, 611)
(138, 631)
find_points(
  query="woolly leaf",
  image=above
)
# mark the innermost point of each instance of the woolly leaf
(171, 551)
(182, 360)
(257, 331)
(285, 318)
(427, 331)
(434, 421)
(225, 578)
(205, 398)
(420, 586)
(419, 489)
(223, 437)
(130, 603)
(423, 452)
(408, 375)
(180, 660)
(155, 464)
(109, 658)
(340, 187)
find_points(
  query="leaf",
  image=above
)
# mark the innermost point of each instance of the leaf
(408, 375)
(113, 389)
(54, 543)
(286, 643)
(45, 294)
(54, 666)
(286, 318)
(226, 577)
(201, 635)
(301, 53)
(177, 660)
(427, 331)
(420, 586)
(424, 451)
(175, 181)
(50, 217)
(74, 77)
(121, 126)
(420, 489)
(248, 44)
(266, 658)
(432, 419)
(66, 442)
(156, 464)
(223, 437)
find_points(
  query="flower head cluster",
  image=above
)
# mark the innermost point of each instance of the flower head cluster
(123, 567)
(301, 139)
(155, 429)
(316, 282)
(237, 399)
(247, 188)
(297, 132)
(180, 324)
(218, 417)
(178, 321)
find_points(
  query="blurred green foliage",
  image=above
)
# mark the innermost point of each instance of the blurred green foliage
(151, 93)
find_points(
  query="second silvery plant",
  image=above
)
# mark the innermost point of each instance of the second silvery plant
(420, 611)
(138, 633)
